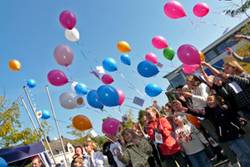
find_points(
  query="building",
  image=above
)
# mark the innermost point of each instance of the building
(214, 53)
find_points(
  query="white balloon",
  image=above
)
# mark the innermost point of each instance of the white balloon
(73, 85)
(67, 100)
(72, 35)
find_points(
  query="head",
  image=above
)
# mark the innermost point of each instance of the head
(212, 101)
(218, 81)
(78, 162)
(179, 120)
(152, 114)
(231, 66)
(168, 107)
(176, 105)
(193, 81)
(155, 103)
(78, 150)
(90, 147)
(128, 135)
(36, 162)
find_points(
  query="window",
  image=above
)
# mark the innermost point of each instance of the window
(228, 43)
(210, 55)
(178, 80)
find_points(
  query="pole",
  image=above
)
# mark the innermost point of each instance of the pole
(39, 123)
(57, 126)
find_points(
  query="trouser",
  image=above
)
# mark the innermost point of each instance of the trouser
(200, 159)
(173, 160)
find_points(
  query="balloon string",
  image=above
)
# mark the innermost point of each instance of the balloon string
(83, 54)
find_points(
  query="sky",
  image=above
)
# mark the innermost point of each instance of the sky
(30, 31)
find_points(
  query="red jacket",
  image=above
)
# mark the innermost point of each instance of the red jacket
(170, 145)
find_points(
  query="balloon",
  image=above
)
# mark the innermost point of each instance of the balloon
(151, 57)
(125, 59)
(79, 101)
(109, 64)
(81, 89)
(63, 55)
(110, 126)
(72, 35)
(73, 85)
(31, 83)
(147, 69)
(189, 69)
(202, 56)
(93, 99)
(168, 53)
(188, 54)
(121, 96)
(107, 79)
(174, 10)
(81, 123)
(159, 42)
(201, 9)
(67, 100)
(3, 163)
(123, 46)
(45, 114)
(67, 19)
(14, 65)
(153, 90)
(108, 95)
(57, 78)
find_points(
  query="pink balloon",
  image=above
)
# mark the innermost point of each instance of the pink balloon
(67, 19)
(174, 10)
(63, 55)
(57, 78)
(201, 9)
(151, 57)
(107, 79)
(121, 96)
(188, 54)
(189, 69)
(159, 42)
(110, 126)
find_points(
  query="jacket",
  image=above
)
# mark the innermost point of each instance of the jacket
(169, 145)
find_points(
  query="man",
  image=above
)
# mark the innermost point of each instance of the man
(36, 162)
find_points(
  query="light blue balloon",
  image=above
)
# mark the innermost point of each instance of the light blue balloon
(153, 90)
(147, 69)
(109, 64)
(108, 95)
(31, 83)
(3, 163)
(81, 89)
(125, 59)
(93, 99)
(45, 114)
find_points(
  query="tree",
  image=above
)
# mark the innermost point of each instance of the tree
(240, 9)
(11, 132)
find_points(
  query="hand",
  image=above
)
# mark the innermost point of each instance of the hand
(229, 50)
(186, 94)
(203, 63)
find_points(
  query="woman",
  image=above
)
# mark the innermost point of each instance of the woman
(137, 151)
(192, 142)
(95, 158)
(160, 131)
(78, 162)
(79, 154)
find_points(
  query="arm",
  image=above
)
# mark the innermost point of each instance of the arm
(165, 127)
(204, 93)
(240, 80)
(124, 157)
(213, 70)
(239, 36)
(204, 74)
(146, 147)
(199, 134)
(237, 57)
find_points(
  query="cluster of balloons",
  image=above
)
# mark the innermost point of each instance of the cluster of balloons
(190, 57)
(110, 126)
(14, 65)
(160, 42)
(81, 123)
(105, 95)
(68, 21)
(174, 9)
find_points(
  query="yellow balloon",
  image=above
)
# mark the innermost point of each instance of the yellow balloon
(202, 56)
(14, 65)
(123, 46)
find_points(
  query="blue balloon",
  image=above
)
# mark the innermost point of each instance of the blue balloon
(93, 99)
(31, 83)
(45, 114)
(153, 90)
(125, 59)
(3, 163)
(147, 69)
(81, 89)
(109, 64)
(108, 95)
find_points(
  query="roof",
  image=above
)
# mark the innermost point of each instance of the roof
(216, 42)
(57, 147)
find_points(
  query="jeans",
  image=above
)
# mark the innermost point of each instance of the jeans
(200, 159)
(242, 150)
(170, 161)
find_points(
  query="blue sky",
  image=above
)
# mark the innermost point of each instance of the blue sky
(30, 31)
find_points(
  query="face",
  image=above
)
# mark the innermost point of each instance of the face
(229, 69)
(176, 106)
(128, 137)
(77, 164)
(151, 115)
(78, 151)
(178, 122)
(89, 148)
(190, 84)
(211, 102)
(217, 81)
(36, 162)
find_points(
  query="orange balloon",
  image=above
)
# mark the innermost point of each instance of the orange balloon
(81, 123)
(193, 120)
(123, 46)
(202, 56)
(14, 65)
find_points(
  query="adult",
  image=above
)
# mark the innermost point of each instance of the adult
(36, 162)
(79, 154)
(95, 158)
(235, 55)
